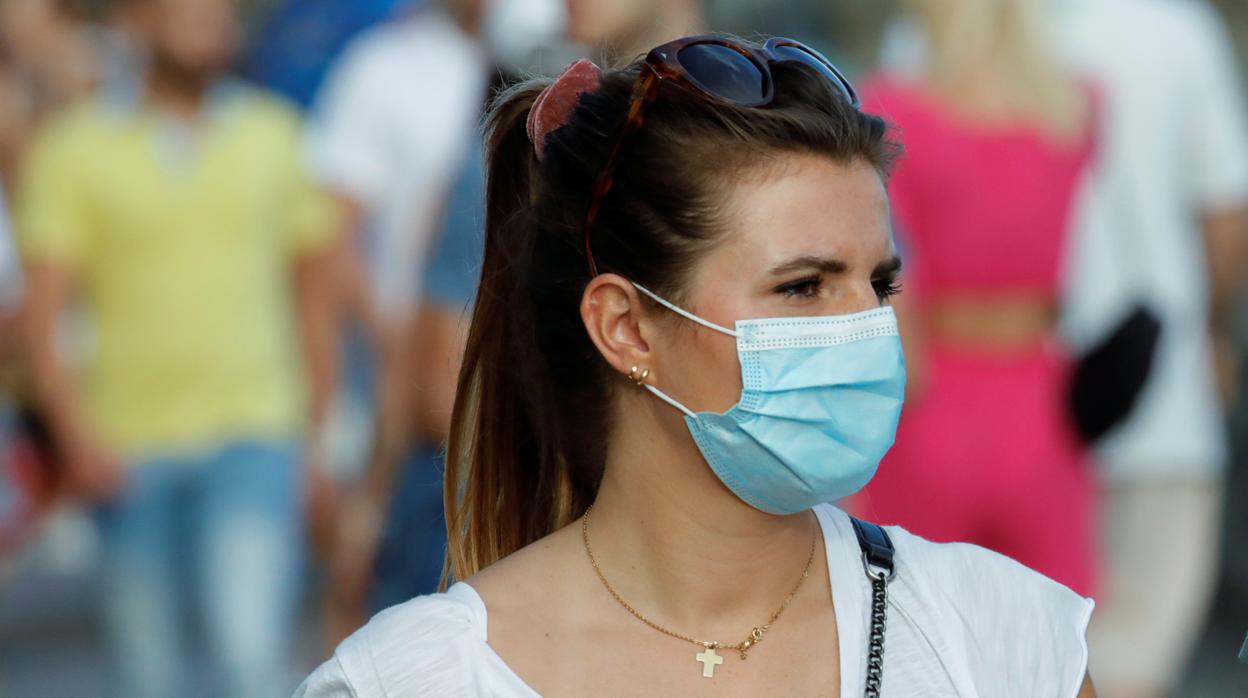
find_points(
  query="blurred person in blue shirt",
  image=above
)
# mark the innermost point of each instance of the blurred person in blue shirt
(294, 46)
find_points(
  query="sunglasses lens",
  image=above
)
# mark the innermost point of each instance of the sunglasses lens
(819, 63)
(723, 72)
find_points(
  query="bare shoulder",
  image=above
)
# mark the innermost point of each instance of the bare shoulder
(531, 580)
(433, 642)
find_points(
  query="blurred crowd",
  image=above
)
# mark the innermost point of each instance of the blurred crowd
(239, 243)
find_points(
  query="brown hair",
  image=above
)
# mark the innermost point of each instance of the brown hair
(529, 429)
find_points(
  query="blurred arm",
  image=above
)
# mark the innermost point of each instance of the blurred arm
(1218, 158)
(350, 150)
(442, 334)
(11, 288)
(450, 284)
(93, 472)
(354, 293)
(1088, 690)
(317, 321)
(10, 335)
(1226, 245)
(54, 225)
(47, 297)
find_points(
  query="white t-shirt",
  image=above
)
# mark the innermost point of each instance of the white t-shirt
(962, 621)
(1174, 143)
(391, 129)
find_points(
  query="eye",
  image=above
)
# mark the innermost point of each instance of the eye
(886, 288)
(801, 288)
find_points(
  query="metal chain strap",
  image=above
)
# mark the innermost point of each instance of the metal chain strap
(879, 613)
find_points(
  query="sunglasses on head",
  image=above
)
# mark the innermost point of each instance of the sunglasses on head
(714, 67)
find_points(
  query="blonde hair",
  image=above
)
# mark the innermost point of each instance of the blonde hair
(995, 59)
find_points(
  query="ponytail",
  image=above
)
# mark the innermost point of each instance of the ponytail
(507, 479)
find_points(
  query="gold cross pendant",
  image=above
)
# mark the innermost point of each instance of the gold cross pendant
(709, 660)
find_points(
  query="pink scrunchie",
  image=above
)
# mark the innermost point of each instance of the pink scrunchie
(555, 104)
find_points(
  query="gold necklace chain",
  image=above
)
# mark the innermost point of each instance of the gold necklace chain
(756, 635)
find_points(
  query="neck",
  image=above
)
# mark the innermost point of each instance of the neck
(175, 90)
(672, 540)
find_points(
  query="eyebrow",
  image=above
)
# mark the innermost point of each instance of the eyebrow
(831, 265)
(828, 265)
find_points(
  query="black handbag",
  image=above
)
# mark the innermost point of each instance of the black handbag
(1109, 376)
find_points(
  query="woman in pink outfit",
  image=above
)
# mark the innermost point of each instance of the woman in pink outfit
(997, 138)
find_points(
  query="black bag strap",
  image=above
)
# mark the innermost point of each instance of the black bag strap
(877, 547)
(877, 554)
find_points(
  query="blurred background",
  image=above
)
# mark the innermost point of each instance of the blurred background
(238, 249)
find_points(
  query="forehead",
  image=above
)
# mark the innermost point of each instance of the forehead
(807, 205)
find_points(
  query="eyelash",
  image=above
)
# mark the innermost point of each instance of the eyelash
(887, 288)
(802, 288)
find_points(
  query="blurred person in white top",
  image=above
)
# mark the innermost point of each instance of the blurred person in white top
(387, 134)
(1172, 180)
(1176, 155)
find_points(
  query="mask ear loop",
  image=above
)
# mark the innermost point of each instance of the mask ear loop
(671, 401)
(688, 316)
(685, 313)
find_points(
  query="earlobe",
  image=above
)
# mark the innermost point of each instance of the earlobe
(613, 314)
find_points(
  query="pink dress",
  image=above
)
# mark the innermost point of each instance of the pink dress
(985, 454)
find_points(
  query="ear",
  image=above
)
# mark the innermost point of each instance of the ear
(615, 317)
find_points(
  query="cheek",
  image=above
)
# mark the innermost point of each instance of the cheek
(703, 371)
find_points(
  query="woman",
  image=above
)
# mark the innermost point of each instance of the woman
(620, 527)
(997, 139)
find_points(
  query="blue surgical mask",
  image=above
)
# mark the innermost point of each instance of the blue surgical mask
(819, 406)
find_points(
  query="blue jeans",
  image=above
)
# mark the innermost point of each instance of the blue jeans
(413, 543)
(217, 531)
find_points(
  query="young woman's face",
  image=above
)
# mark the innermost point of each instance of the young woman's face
(809, 238)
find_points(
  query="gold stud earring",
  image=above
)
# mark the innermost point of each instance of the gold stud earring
(638, 375)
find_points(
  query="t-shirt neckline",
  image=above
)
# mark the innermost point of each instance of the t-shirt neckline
(847, 599)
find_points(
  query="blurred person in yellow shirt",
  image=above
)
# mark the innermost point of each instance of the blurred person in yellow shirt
(183, 223)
